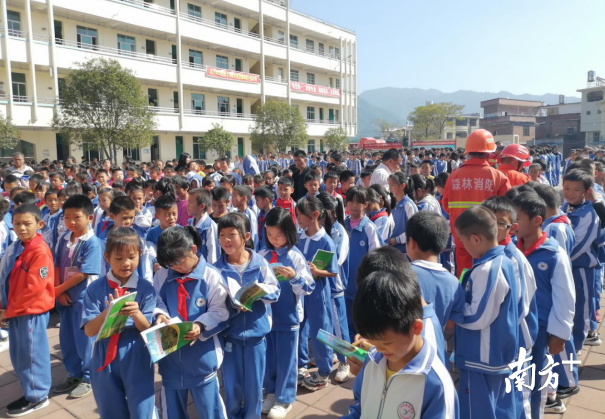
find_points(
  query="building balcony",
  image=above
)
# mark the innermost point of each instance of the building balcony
(314, 93)
(200, 121)
(23, 114)
(220, 79)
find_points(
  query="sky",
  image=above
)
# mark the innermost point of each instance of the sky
(520, 46)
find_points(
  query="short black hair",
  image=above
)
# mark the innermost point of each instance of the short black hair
(29, 208)
(121, 203)
(385, 258)
(346, 175)
(175, 242)
(202, 197)
(501, 204)
(299, 154)
(207, 181)
(579, 175)
(243, 190)
(120, 238)
(220, 194)
(79, 202)
(24, 198)
(229, 179)
(358, 194)
(390, 154)
(238, 221)
(264, 192)
(477, 221)
(51, 191)
(181, 181)
(280, 217)
(531, 204)
(288, 181)
(549, 194)
(164, 202)
(429, 230)
(331, 175)
(312, 176)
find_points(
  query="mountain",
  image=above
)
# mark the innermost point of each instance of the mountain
(395, 104)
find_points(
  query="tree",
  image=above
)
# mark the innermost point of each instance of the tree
(430, 121)
(336, 139)
(384, 127)
(102, 104)
(278, 126)
(9, 134)
(217, 139)
(420, 119)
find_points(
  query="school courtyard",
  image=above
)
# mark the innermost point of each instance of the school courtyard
(330, 403)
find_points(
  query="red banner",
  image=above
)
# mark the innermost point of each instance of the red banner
(222, 73)
(314, 90)
(435, 143)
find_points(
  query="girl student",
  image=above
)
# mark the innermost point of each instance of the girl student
(425, 194)
(282, 342)
(192, 292)
(402, 188)
(317, 313)
(121, 368)
(245, 343)
(379, 211)
(335, 214)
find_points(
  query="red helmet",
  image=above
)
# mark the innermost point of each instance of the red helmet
(480, 141)
(517, 151)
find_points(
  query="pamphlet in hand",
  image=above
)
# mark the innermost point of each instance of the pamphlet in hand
(322, 259)
(244, 297)
(115, 322)
(279, 277)
(164, 339)
(340, 346)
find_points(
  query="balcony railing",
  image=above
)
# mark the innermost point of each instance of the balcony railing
(194, 66)
(234, 115)
(323, 121)
(147, 6)
(114, 51)
(159, 109)
(213, 24)
(276, 79)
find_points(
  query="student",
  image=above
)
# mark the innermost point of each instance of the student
(7, 236)
(401, 186)
(426, 169)
(101, 214)
(121, 213)
(556, 224)
(27, 294)
(484, 365)
(245, 343)
(264, 197)
(427, 235)
(181, 188)
(166, 213)
(199, 202)
(556, 301)
(143, 218)
(285, 189)
(239, 198)
(121, 368)
(402, 373)
(379, 212)
(77, 258)
(282, 342)
(363, 237)
(193, 292)
(220, 203)
(425, 194)
(102, 179)
(331, 185)
(309, 214)
(312, 183)
(366, 176)
(347, 181)
(57, 180)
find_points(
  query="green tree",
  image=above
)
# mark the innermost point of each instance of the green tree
(430, 121)
(9, 134)
(278, 126)
(217, 139)
(336, 139)
(384, 127)
(102, 104)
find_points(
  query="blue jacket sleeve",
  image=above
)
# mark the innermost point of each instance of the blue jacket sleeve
(355, 408)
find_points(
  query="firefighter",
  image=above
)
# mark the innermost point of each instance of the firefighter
(514, 158)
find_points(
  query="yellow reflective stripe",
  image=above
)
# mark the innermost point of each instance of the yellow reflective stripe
(463, 204)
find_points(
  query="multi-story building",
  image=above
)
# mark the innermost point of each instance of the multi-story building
(511, 120)
(461, 127)
(593, 109)
(200, 62)
(560, 124)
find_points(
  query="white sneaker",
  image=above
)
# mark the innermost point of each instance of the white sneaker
(342, 374)
(4, 345)
(279, 411)
(268, 403)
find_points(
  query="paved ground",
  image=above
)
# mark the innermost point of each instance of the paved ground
(326, 404)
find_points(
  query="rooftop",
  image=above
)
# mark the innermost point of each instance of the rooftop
(507, 101)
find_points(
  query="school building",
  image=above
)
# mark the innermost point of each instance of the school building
(199, 62)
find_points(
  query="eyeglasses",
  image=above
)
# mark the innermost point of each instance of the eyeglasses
(503, 226)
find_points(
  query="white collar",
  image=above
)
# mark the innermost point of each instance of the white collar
(83, 238)
(385, 167)
(315, 237)
(433, 266)
(131, 283)
(200, 223)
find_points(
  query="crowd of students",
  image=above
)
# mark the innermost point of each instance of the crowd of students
(74, 237)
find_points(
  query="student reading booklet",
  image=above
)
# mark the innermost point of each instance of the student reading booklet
(115, 322)
(279, 277)
(244, 297)
(340, 346)
(164, 339)
(322, 259)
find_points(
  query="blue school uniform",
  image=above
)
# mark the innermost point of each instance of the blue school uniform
(208, 232)
(438, 287)
(103, 229)
(384, 224)
(282, 341)
(439, 166)
(245, 343)
(362, 239)
(559, 228)
(124, 388)
(143, 220)
(253, 224)
(7, 237)
(402, 212)
(338, 285)
(84, 255)
(432, 332)
(262, 237)
(318, 314)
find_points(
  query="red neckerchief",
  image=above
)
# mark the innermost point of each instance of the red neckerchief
(378, 215)
(561, 219)
(273, 257)
(534, 246)
(105, 224)
(183, 296)
(112, 348)
(289, 205)
(506, 241)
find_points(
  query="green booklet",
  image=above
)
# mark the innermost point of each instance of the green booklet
(340, 346)
(164, 339)
(245, 296)
(115, 322)
(323, 259)
(279, 277)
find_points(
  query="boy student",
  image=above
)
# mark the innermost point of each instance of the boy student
(102, 178)
(426, 169)
(312, 183)
(27, 294)
(427, 234)
(285, 189)
(10, 182)
(121, 213)
(220, 203)
(264, 202)
(556, 302)
(486, 317)
(402, 375)
(116, 174)
(57, 180)
(556, 224)
(198, 204)
(240, 197)
(331, 183)
(347, 181)
(78, 259)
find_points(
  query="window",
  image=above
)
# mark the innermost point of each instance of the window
(461, 134)
(338, 83)
(126, 45)
(294, 41)
(220, 19)
(198, 153)
(223, 105)
(591, 96)
(149, 47)
(238, 64)
(195, 58)
(194, 11)
(222, 62)
(473, 122)
(310, 45)
(281, 36)
(197, 103)
(321, 49)
(237, 23)
(88, 38)
(334, 52)
(152, 94)
(294, 75)
(310, 78)
(175, 100)
(59, 32)
(311, 146)
(19, 90)
(460, 122)
(132, 153)
(14, 23)
(588, 112)
(449, 136)
(331, 82)
(311, 113)
(571, 131)
(61, 87)
(525, 131)
(155, 148)
(596, 137)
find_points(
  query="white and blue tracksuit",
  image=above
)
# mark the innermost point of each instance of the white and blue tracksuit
(248, 212)
(288, 312)
(124, 388)
(439, 166)
(432, 332)
(362, 239)
(586, 227)
(487, 337)
(143, 221)
(559, 228)
(317, 308)
(245, 343)
(430, 203)
(250, 166)
(422, 389)
(86, 255)
(355, 167)
(338, 284)
(193, 368)
(402, 212)
(555, 297)
(7, 237)
(208, 232)
(438, 287)
(384, 223)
